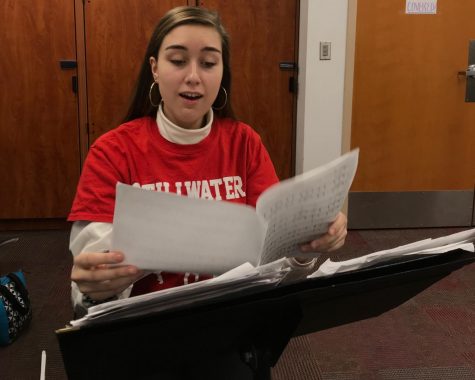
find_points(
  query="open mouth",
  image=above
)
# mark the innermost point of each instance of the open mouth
(191, 95)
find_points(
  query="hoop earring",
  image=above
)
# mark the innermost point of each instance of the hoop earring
(150, 94)
(225, 100)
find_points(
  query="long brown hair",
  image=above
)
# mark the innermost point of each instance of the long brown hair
(140, 104)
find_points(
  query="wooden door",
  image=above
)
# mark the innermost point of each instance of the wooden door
(117, 33)
(39, 143)
(263, 34)
(410, 119)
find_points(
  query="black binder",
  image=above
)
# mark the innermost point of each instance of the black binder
(245, 332)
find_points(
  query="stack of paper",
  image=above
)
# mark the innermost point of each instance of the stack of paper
(460, 240)
(247, 279)
(241, 279)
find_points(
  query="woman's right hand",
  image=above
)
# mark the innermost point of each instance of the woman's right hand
(96, 278)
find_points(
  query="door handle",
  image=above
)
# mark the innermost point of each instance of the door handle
(74, 83)
(67, 64)
(288, 66)
(470, 72)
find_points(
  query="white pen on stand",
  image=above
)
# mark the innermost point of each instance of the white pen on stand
(43, 365)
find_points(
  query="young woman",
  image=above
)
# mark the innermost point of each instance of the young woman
(179, 130)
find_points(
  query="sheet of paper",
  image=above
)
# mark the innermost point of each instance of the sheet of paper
(161, 231)
(301, 208)
(460, 240)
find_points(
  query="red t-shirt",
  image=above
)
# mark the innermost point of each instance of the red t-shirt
(230, 164)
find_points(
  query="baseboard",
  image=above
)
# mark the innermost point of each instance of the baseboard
(411, 209)
(34, 224)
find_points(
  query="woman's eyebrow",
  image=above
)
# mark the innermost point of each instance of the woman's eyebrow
(212, 49)
(181, 47)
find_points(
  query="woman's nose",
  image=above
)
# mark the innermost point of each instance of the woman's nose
(193, 77)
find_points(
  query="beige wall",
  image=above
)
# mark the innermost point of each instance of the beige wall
(349, 71)
(325, 87)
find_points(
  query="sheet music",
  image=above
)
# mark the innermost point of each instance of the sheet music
(161, 231)
(301, 208)
(460, 240)
(243, 278)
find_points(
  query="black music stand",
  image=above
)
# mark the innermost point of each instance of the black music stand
(244, 335)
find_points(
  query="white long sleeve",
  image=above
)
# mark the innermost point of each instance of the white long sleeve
(89, 237)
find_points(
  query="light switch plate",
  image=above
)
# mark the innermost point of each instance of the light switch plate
(325, 51)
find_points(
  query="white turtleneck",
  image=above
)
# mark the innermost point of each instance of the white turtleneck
(179, 135)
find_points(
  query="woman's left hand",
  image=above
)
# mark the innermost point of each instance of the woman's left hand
(332, 240)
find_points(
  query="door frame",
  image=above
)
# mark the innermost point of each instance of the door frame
(82, 79)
